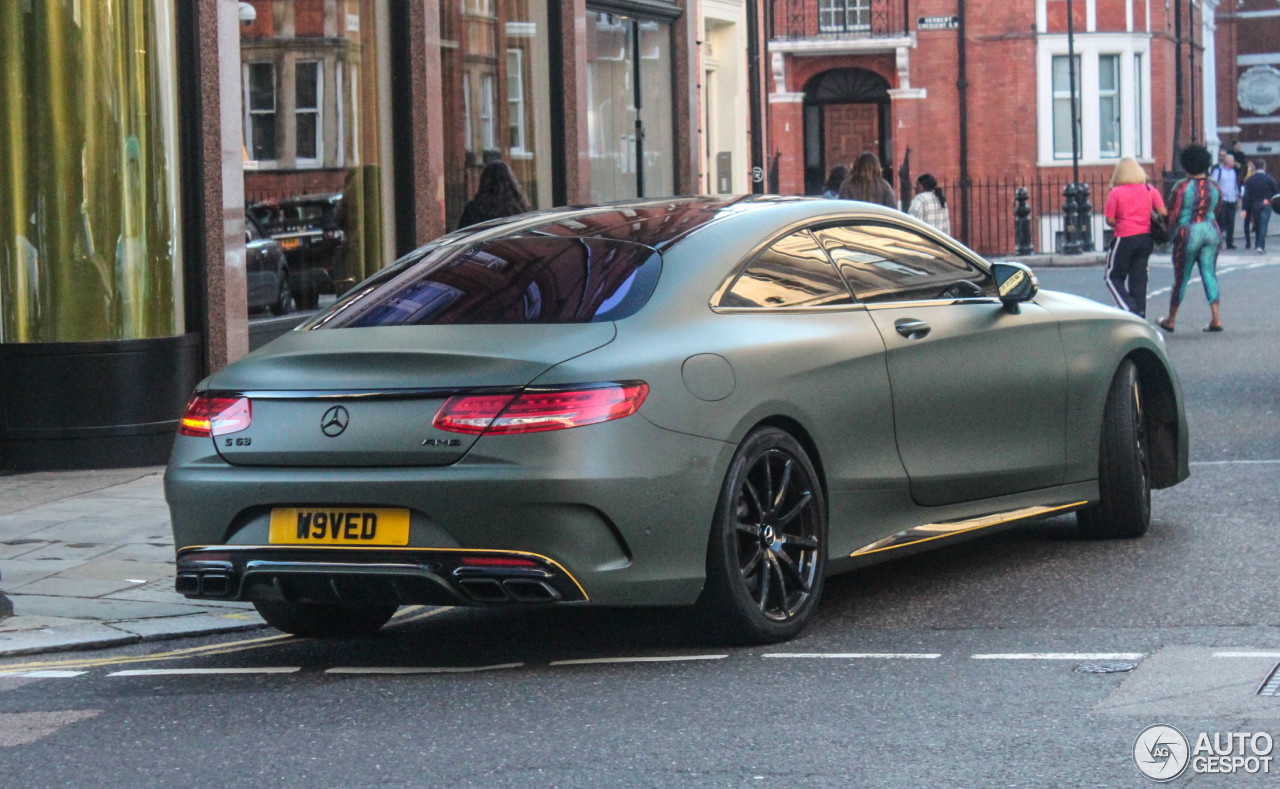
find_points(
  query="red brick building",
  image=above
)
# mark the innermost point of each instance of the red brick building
(979, 90)
(1248, 78)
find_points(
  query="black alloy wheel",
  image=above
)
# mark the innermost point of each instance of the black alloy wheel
(767, 555)
(1124, 464)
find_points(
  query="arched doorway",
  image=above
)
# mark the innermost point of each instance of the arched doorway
(846, 112)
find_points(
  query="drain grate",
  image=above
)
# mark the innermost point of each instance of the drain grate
(1271, 686)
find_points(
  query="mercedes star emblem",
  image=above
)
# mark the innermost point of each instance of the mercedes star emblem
(334, 421)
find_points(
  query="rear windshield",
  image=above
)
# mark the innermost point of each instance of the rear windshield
(526, 279)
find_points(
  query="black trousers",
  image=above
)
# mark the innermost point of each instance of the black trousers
(1227, 221)
(1127, 272)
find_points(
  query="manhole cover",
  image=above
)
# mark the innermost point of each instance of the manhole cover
(1271, 686)
(1106, 667)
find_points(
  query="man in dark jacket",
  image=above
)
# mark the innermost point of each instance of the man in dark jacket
(1259, 188)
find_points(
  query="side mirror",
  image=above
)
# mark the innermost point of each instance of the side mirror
(1015, 283)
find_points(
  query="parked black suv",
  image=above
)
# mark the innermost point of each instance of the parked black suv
(309, 230)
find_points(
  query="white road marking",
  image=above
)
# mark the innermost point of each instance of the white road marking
(1061, 656)
(161, 672)
(857, 655)
(43, 674)
(1234, 462)
(418, 669)
(655, 659)
(1272, 654)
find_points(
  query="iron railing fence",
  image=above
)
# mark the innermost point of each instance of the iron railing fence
(840, 19)
(992, 229)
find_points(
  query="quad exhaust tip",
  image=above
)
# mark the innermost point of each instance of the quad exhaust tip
(520, 590)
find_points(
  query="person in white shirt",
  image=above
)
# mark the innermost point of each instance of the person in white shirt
(929, 205)
(1228, 181)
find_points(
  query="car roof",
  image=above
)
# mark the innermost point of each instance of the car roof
(662, 222)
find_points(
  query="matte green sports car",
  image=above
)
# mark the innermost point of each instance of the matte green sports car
(669, 402)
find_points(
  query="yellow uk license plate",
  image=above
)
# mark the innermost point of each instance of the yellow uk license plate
(290, 243)
(339, 526)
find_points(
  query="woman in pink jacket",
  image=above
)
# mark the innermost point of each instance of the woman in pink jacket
(1128, 210)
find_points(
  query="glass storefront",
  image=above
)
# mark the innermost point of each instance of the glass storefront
(496, 81)
(629, 107)
(90, 234)
(313, 175)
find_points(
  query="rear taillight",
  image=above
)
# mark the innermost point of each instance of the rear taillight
(215, 416)
(538, 411)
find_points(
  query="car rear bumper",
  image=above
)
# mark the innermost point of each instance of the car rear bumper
(616, 513)
(374, 576)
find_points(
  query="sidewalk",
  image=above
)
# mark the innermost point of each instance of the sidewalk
(86, 558)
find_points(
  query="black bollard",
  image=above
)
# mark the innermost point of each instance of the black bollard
(1084, 217)
(1070, 230)
(1022, 222)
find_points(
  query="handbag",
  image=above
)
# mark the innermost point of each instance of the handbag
(1159, 227)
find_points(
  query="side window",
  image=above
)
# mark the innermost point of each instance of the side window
(884, 263)
(794, 272)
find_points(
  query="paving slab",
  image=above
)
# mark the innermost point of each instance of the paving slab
(193, 625)
(91, 635)
(97, 609)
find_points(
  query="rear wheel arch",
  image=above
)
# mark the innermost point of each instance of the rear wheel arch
(1161, 409)
(801, 435)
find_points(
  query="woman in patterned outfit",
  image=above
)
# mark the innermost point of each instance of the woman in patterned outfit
(1195, 234)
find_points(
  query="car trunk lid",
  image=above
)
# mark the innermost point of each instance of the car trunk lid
(367, 397)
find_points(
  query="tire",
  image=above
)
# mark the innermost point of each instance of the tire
(1124, 464)
(319, 620)
(284, 302)
(766, 557)
(308, 294)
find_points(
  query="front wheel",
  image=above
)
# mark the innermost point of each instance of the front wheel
(767, 554)
(320, 620)
(1124, 464)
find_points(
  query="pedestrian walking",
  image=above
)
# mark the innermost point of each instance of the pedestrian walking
(831, 189)
(866, 182)
(1195, 234)
(1128, 210)
(929, 204)
(1256, 200)
(499, 195)
(1228, 179)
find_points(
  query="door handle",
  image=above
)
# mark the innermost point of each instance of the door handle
(912, 329)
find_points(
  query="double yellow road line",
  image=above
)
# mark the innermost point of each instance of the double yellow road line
(408, 614)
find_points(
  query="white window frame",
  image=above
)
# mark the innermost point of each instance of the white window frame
(1117, 95)
(488, 112)
(314, 112)
(515, 103)
(1058, 95)
(1134, 51)
(468, 134)
(249, 162)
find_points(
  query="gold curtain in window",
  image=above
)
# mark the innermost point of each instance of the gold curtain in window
(90, 239)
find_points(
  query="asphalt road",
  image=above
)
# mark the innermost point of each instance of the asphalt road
(974, 665)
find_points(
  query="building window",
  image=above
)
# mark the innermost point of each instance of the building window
(308, 88)
(488, 98)
(837, 16)
(1062, 106)
(515, 101)
(1113, 105)
(260, 111)
(468, 136)
(1140, 119)
(1109, 106)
